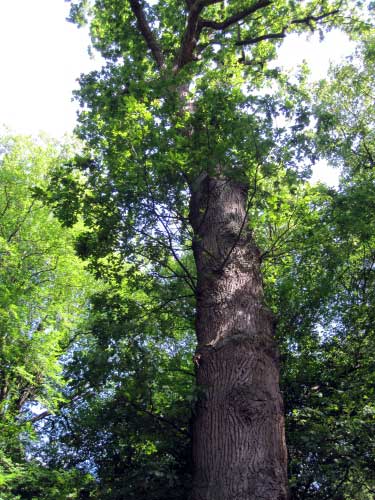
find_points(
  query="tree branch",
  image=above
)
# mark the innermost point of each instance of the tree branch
(195, 25)
(41, 416)
(190, 38)
(239, 16)
(269, 36)
(155, 416)
(20, 221)
(7, 202)
(310, 18)
(147, 34)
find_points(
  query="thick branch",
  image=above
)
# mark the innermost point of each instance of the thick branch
(195, 25)
(206, 3)
(190, 38)
(147, 34)
(239, 16)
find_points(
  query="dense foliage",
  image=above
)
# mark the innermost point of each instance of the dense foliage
(119, 411)
(43, 294)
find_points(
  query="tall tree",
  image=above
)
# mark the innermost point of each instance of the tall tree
(177, 133)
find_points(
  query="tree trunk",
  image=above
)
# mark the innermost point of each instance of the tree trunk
(239, 450)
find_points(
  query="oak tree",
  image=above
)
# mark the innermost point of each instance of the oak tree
(178, 137)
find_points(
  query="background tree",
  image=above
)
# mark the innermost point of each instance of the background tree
(322, 287)
(327, 392)
(43, 294)
(132, 380)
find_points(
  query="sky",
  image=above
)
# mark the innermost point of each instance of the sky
(319, 55)
(42, 55)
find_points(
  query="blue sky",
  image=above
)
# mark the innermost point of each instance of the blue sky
(42, 55)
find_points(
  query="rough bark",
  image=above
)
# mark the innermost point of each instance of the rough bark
(239, 450)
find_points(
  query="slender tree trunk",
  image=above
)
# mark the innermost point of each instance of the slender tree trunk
(239, 448)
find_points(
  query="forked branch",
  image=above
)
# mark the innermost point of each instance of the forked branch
(195, 24)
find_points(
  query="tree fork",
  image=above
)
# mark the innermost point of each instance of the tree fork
(239, 450)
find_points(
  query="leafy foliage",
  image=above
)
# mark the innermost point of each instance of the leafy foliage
(324, 296)
(169, 105)
(43, 293)
(131, 377)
